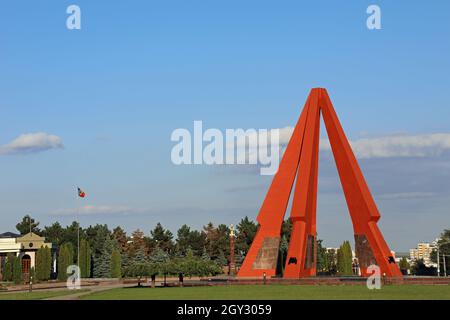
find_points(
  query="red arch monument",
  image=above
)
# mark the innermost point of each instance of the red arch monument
(300, 165)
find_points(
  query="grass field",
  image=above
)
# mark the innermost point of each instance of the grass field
(36, 295)
(261, 292)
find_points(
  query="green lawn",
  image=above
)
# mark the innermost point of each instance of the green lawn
(36, 295)
(261, 292)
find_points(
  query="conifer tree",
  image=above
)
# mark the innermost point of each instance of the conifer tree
(284, 246)
(321, 256)
(116, 270)
(85, 259)
(48, 263)
(344, 259)
(43, 264)
(221, 259)
(39, 265)
(102, 264)
(140, 255)
(158, 255)
(62, 263)
(65, 259)
(205, 255)
(17, 271)
(8, 276)
(125, 260)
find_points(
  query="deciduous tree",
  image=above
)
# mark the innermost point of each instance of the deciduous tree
(404, 265)
(121, 238)
(420, 269)
(444, 249)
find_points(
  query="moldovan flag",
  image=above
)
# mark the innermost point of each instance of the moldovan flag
(81, 193)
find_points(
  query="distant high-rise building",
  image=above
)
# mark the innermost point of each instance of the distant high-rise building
(423, 251)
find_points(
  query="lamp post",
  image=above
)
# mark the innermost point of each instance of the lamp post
(445, 267)
(438, 243)
(29, 271)
(78, 243)
(438, 264)
(232, 258)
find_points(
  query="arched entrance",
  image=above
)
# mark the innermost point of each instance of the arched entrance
(26, 264)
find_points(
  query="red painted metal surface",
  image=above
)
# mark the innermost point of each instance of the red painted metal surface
(300, 163)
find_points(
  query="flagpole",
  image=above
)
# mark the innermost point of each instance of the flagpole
(78, 259)
(78, 232)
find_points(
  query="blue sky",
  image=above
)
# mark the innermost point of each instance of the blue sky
(113, 92)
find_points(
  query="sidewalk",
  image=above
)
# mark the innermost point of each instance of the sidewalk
(78, 295)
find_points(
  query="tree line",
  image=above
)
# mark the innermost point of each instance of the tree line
(13, 269)
(113, 253)
(106, 253)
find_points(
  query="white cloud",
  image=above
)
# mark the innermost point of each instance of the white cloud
(422, 145)
(402, 146)
(31, 143)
